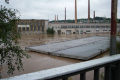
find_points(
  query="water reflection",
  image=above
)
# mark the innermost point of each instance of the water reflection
(39, 61)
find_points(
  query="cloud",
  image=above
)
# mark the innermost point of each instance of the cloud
(47, 9)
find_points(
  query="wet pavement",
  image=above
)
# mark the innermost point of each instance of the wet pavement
(39, 61)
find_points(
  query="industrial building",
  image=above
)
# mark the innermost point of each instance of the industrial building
(32, 25)
(73, 28)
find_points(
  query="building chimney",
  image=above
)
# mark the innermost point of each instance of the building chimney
(75, 11)
(94, 15)
(57, 18)
(88, 10)
(65, 14)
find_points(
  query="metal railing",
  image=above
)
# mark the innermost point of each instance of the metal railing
(79, 68)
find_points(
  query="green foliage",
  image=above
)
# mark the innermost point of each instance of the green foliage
(50, 31)
(102, 76)
(7, 1)
(10, 53)
(119, 21)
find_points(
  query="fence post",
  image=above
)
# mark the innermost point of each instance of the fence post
(83, 76)
(96, 74)
(107, 73)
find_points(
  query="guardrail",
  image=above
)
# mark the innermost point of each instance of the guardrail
(79, 68)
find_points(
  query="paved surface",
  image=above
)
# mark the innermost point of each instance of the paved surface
(85, 48)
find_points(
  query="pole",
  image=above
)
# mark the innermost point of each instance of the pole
(113, 27)
(113, 35)
(65, 14)
(75, 11)
(55, 18)
(88, 11)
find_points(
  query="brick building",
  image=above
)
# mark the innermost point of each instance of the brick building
(32, 25)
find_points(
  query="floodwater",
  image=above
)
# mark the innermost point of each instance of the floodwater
(39, 61)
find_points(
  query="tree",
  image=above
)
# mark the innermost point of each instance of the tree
(7, 1)
(50, 31)
(10, 53)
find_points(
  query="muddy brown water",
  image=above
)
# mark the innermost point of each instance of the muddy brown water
(39, 61)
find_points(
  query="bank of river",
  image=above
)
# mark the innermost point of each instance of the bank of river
(39, 61)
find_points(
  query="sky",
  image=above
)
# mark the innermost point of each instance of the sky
(47, 9)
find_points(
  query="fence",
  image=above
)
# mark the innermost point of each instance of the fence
(79, 68)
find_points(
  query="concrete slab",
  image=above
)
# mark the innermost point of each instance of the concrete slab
(79, 49)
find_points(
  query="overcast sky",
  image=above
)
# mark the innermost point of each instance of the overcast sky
(47, 9)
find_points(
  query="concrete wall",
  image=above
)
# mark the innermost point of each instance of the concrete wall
(46, 25)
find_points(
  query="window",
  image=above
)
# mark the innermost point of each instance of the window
(102, 26)
(88, 31)
(23, 23)
(43, 29)
(84, 26)
(97, 26)
(87, 26)
(31, 28)
(42, 23)
(27, 28)
(19, 29)
(77, 26)
(19, 23)
(81, 26)
(31, 23)
(107, 26)
(68, 26)
(38, 27)
(35, 28)
(104, 30)
(92, 26)
(23, 28)
(72, 27)
(38, 23)
(27, 23)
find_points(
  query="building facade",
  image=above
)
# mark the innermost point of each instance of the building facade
(32, 25)
(73, 28)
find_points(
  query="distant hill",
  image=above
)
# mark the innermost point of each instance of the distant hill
(79, 20)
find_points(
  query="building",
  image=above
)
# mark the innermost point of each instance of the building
(73, 28)
(32, 25)
(40, 26)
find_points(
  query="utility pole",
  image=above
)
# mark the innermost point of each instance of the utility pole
(114, 68)
(113, 27)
